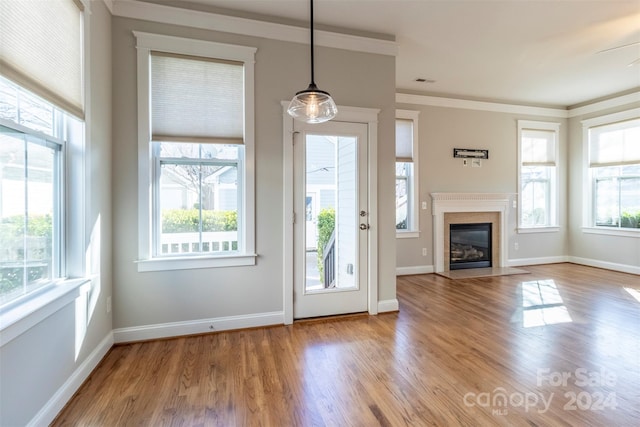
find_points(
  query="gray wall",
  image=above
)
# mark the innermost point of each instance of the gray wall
(595, 249)
(38, 363)
(440, 130)
(355, 79)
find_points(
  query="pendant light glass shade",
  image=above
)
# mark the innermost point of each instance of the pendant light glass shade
(312, 105)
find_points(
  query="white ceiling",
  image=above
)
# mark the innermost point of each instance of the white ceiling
(534, 52)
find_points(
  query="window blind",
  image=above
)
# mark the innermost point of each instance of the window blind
(41, 49)
(196, 99)
(538, 147)
(615, 144)
(404, 140)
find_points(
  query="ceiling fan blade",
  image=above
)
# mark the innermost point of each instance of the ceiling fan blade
(619, 47)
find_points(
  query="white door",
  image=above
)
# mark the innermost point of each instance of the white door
(330, 274)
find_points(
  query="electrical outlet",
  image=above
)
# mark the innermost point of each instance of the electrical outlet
(108, 304)
(516, 246)
(424, 205)
(424, 251)
(465, 162)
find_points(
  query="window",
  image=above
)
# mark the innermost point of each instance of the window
(614, 170)
(196, 132)
(41, 97)
(538, 175)
(31, 226)
(407, 194)
(198, 198)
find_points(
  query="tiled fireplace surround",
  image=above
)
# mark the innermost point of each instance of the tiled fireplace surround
(458, 208)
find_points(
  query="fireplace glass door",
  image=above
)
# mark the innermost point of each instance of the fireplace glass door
(470, 246)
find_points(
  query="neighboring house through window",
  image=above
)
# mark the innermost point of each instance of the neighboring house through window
(537, 175)
(407, 192)
(196, 129)
(613, 147)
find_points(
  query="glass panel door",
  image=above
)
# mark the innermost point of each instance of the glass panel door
(330, 191)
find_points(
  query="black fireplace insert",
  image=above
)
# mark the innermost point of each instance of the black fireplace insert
(470, 246)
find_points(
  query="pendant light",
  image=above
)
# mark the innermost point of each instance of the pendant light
(312, 105)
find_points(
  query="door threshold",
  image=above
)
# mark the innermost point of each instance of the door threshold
(332, 317)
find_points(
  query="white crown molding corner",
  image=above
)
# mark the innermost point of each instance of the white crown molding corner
(110, 5)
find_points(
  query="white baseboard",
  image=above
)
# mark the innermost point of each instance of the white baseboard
(388, 305)
(174, 329)
(624, 268)
(51, 409)
(418, 269)
(519, 262)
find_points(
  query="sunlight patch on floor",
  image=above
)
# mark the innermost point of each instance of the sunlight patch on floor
(542, 304)
(634, 293)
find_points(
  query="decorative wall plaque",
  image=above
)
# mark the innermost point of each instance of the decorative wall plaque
(470, 153)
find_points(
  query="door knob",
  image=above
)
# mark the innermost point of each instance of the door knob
(364, 226)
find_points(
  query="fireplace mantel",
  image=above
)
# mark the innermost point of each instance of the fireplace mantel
(444, 203)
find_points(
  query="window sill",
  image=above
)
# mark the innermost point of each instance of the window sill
(407, 234)
(554, 229)
(623, 232)
(19, 316)
(188, 263)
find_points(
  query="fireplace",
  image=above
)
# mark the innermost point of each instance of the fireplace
(470, 245)
(470, 208)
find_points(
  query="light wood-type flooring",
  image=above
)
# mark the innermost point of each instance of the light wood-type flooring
(559, 346)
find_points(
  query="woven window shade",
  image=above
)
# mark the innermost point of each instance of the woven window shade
(615, 144)
(404, 140)
(538, 147)
(196, 99)
(41, 49)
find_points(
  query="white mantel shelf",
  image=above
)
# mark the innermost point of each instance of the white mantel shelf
(468, 202)
(461, 197)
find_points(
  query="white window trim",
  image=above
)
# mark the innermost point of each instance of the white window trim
(414, 231)
(588, 223)
(145, 43)
(549, 126)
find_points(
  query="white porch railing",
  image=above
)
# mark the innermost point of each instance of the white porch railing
(212, 242)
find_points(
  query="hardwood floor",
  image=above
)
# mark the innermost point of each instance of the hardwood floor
(557, 347)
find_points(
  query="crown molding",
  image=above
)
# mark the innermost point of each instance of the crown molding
(247, 27)
(436, 101)
(110, 5)
(595, 107)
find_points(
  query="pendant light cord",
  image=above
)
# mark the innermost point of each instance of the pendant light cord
(312, 48)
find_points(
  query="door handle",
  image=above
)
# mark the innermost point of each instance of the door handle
(364, 226)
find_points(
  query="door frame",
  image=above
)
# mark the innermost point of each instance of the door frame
(368, 116)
